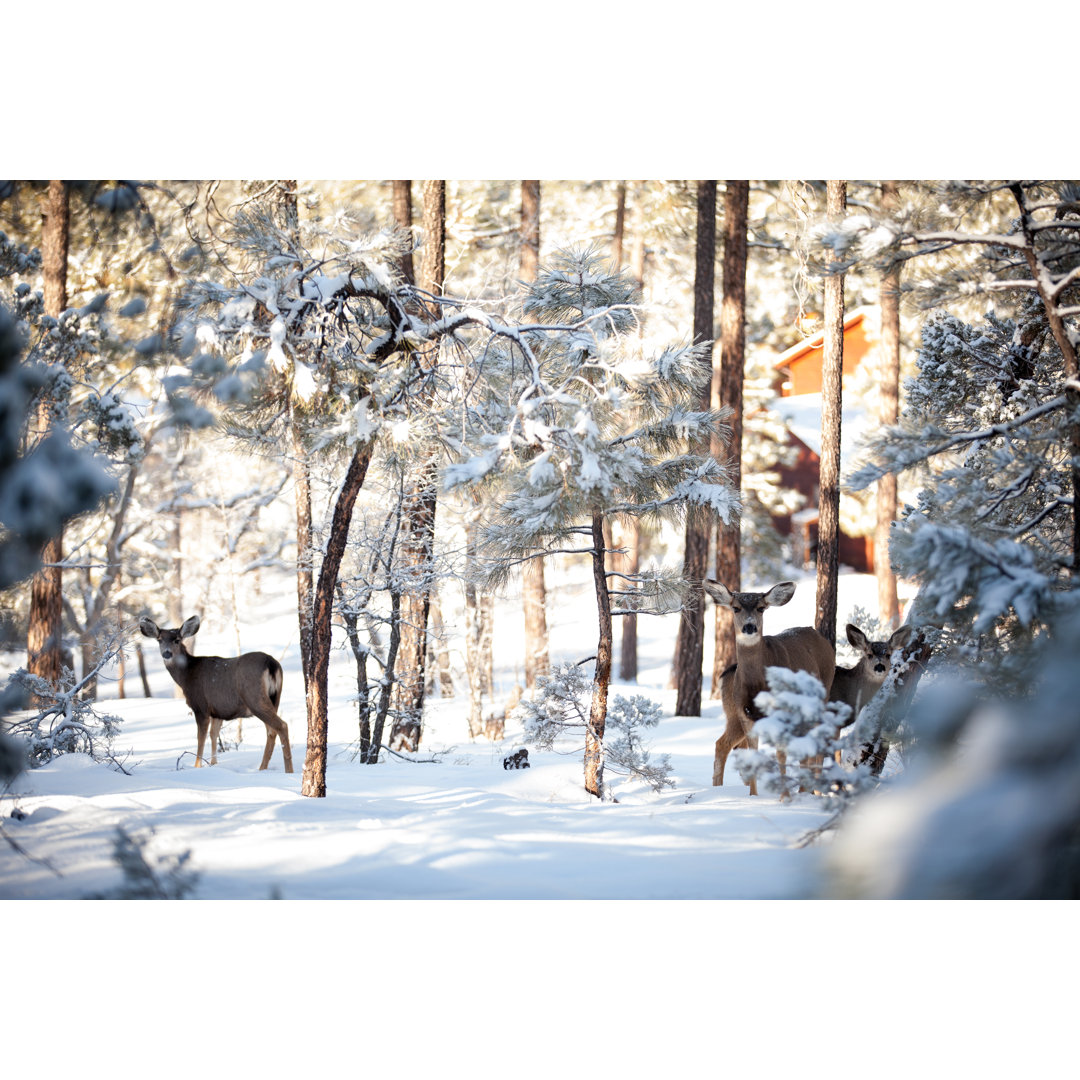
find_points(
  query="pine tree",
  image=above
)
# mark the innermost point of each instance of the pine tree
(594, 431)
(987, 424)
(335, 329)
(418, 531)
(44, 635)
(729, 393)
(699, 525)
(828, 561)
(888, 602)
(533, 591)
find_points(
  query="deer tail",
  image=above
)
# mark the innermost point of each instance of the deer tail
(272, 680)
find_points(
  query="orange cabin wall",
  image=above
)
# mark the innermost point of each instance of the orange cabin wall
(805, 370)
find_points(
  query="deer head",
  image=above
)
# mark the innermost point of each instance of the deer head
(747, 608)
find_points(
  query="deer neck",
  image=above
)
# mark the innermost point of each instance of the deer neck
(177, 666)
(750, 656)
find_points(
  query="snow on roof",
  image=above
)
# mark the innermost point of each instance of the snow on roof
(816, 341)
(802, 415)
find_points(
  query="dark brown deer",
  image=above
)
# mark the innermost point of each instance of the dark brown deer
(857, 685)
(218, 688)
(801, 648)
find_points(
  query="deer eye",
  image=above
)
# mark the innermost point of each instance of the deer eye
(736, 609)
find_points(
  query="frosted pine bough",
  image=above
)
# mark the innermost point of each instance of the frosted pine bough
(556, 719)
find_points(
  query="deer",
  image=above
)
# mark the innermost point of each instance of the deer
(218, 688)
(855, 686)
(801, 648)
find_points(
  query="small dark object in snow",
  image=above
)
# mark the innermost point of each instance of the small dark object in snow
(17, 814)
(520, 760)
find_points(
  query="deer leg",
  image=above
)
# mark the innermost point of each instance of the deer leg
(202, 723)
(724, 745)
(271, 735)
(730, 740)
(275, 727)
(215, 730)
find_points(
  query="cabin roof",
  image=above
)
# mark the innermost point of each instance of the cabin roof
(816, 341)
(802, 416)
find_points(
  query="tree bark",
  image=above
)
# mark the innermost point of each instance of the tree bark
(533, 585)
(889, 388)
(305, 550)
(281, 199)
(45, 631)
(91, 631)
(474, 632)
(437, 647)
(402, 196)
(831, 404)
(629, 563)
(699, 523)
(142, 670)
(314, 779)
(728, 390)
(418, 540)
(594, 736)
(620, 225)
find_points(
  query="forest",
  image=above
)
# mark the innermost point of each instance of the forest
(566, 531)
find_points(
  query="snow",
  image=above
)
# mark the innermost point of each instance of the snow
(459, 828)
(802, 414)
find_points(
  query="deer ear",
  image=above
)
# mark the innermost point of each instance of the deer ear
(190, 627)
(780, 594)
(718, 592)
(858, 638)
(901, 637)
(148, 627)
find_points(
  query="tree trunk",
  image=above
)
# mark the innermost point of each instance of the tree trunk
(45, 631)
(728, 390)
(305, 551)
(629, 564)
(417, 547)
(828, 566)
(402, 197)
(530, 229)
(121, 674)
(314, 780)
(533, 585)
(639, 252)
(889, 387)
(631, 561)
(594, 736)
(699, 523)
(286, 210)
(473, 633)
(620, 225)
(416, 550)
(90, 633)
(142, 670)
(351, 619)
(437, 647)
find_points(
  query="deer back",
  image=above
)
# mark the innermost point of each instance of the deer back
(801, 648)
(231, 687)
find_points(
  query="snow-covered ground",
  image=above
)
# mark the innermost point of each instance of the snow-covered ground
(459, 827)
